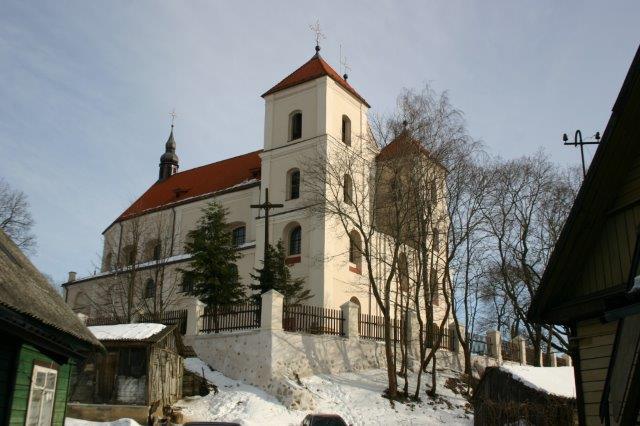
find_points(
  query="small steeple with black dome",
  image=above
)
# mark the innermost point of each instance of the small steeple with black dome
(169, 160)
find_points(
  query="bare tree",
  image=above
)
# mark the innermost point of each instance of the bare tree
(141, 281)
(15, 217)
(529, 202)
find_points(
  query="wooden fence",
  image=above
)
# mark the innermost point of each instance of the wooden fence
(511, 351)
(168, 318)
(433, 333)
(244, 316)
(372, 327)
(313, 319)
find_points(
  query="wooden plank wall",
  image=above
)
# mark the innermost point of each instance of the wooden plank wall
(27, 355)
(595, 341)
(610, 260)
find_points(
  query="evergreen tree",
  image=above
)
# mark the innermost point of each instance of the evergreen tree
(275, 275)
(213, 273)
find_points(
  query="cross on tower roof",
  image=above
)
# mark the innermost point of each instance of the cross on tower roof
(345, 66)
(319, 34)
(173, 116)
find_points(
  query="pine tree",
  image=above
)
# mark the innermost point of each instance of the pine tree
(275, 275)
(213, 272)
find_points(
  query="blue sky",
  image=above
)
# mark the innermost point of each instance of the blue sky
(86, 87)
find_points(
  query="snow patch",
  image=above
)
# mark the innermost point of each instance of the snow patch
(139, 331)
(356, 396)
(557, 381)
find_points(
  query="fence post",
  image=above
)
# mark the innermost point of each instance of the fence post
(522, 349)
(271, 316)
(553, 360)
(350, 313)
(494, 345)
(568, 360)
(194, 311)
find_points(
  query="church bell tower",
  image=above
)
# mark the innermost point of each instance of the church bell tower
(168, 160)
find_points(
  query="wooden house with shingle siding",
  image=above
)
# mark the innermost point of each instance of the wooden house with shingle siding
(588, 282)
(40, 340)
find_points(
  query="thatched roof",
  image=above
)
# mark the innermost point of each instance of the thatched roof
(24, 290)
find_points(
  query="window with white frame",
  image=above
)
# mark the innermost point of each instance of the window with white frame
(41, 396)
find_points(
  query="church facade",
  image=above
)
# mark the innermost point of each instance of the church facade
(312, 115)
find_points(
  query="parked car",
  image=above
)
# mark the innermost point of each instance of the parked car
(323, 420)
(211, 424)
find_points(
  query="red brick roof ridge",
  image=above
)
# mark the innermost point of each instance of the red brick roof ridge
(162, 193)
(309, 71)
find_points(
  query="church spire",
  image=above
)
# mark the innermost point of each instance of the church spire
(169, 160)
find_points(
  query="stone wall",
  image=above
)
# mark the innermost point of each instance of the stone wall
(273, 359)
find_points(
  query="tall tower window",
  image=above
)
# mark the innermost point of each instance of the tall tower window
(150, 289)
(295, 241)
(346, 130)
(295, 125)
(293, 184)
(347, 189)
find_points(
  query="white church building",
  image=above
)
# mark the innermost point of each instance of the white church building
(313, 110)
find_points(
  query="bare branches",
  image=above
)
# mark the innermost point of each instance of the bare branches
(15, 217)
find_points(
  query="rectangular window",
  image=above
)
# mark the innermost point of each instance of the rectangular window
(238, 236)
(41, 396)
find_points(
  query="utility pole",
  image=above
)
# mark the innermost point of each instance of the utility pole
(577, 141)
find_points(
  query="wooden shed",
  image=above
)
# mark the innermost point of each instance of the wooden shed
(41, 339)
(502, 397)
(142, 366)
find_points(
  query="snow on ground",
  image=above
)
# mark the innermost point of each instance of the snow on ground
(139, 331)
(77, 422)
(355, 396)
(553, 380)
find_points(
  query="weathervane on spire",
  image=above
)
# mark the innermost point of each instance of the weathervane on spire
(319, 34)
(345, 66)
(173, 116)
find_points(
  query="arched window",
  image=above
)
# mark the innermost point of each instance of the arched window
(129, 254)
(153, 250)
(238, 235)
(347, 189)
(346, 130)
(108, 262)
(187, 283)
(295, 241)
(293, 184)
(355, 250)
(403, 272)
(295, 125)
(150, 289)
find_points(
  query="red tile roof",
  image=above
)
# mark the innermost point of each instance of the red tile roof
(197, 182)
(314, 68)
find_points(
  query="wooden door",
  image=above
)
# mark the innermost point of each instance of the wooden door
(106, 376)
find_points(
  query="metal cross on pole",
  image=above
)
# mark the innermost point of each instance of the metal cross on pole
(173, 116)
(266, 206)
(577, 141)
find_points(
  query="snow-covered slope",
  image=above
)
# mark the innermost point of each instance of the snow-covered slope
(355, 396)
